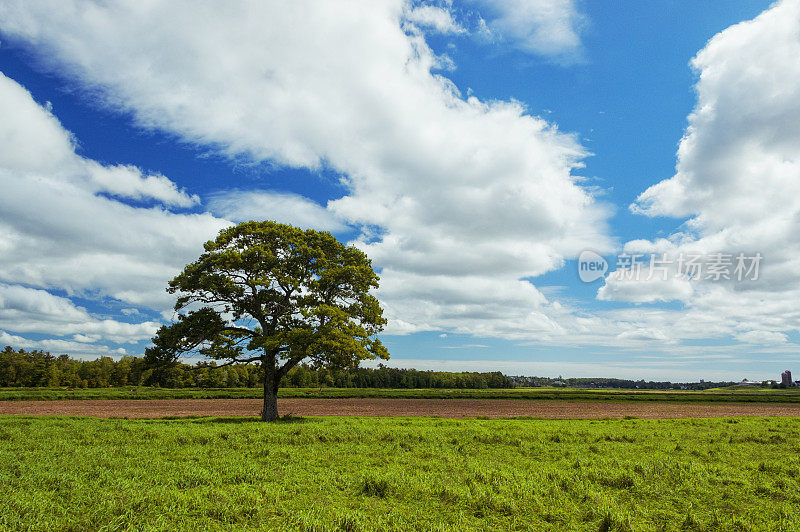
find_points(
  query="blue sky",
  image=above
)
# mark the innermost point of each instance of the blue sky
(472, 149)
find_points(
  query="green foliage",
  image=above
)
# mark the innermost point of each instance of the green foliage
(375, 487)
(384, 377)
(277, 295)
(22, 368)
(305, 293)
(369, 474)
(38, 369)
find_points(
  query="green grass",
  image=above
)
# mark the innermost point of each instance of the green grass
(567, 394)
(399, 474)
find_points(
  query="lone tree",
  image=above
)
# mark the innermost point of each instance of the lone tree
(277, 295)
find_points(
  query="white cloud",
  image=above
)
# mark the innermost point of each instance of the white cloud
(455, 196)
(58, 230)
(33, 142)
(75, 239)
(465, 346)
(643, 334)
(762, 337)
(434, 18)
(467, 304)
(738, 162)
(127, 181)
(244, 205)
(738, 180)
(618, 288)
(458, 200)
(58, 346)
(542, 27)
(27, 310)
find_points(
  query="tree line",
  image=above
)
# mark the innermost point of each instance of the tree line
(609, 382)
(21, 368)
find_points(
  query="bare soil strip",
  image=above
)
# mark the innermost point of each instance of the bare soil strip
(451, 408)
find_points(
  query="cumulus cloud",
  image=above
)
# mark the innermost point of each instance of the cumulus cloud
(762, 337)
(244, 205)
(458, 201)
(737, 181)
(643, 334)
(76, 238)
(464, 346)
(542, 27)
(453, 195)
(434, 18)
(33, 141)
(26, 310)
(127, 181)
(738, 161)
(646, 290)
(63, 227)
(58, 346)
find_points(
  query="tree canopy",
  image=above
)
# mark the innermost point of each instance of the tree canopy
(277, 295)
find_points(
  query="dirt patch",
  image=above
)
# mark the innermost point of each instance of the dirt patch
(453, 408)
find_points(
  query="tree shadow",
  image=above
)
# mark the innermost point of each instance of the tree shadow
(282, 420)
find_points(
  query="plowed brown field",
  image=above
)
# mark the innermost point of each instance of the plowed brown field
(453, 408)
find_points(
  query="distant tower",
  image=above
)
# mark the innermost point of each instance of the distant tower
(786, 378)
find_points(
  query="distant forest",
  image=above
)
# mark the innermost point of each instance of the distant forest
(602, 382)
(20, 368)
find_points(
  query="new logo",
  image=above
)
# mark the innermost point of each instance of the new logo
(591, 266)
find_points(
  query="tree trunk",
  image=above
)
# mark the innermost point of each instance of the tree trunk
(270, 410)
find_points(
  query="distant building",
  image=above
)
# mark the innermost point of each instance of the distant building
(786, 378)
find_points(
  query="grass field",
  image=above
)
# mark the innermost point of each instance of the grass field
(399, 474)
(567, 394)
